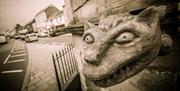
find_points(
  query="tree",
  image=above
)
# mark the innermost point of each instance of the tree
(18, 27)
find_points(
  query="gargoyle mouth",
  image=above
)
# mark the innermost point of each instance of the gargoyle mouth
(122, 73)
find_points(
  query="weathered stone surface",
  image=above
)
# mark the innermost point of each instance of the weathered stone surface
(123, 45)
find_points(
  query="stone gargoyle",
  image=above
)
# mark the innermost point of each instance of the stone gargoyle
(123, 45)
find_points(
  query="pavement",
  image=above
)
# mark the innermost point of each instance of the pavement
(40, 75)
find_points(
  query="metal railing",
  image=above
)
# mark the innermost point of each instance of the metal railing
(65, 66)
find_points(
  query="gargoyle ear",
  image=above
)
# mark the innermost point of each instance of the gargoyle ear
(151, 15)
(88, 25)
(166, 44)
(104, 15)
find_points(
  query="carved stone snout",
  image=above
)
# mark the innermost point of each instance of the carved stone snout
(91, 56)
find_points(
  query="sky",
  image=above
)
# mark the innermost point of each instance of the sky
(14, 12)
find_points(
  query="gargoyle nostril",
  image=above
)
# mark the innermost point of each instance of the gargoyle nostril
(90, 60)
(86, 60)
(97, 56)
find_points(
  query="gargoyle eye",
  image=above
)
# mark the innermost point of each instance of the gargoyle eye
(125, 37)
(89, 39)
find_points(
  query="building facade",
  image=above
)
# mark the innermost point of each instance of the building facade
(48, 19)
(78, 11)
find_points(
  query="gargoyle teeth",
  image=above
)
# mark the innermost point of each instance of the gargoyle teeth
(168, 72)
(163, 72)
(108, 80)
(157, 72)
(121, 71)
(124, 69)
(114, 76)
(127, 69)
(147, 71)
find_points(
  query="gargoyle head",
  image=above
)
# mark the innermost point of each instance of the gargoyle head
(121, 46)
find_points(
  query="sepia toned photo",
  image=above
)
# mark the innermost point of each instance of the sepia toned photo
(89, 45)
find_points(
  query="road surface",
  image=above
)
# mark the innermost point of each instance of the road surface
(14, 58)
(13, 64)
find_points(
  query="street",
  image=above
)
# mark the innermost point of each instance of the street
(13, 65)
(5, 49)
(14, 59)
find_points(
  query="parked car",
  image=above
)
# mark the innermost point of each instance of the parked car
(11, 35)
(3, 39)
(31, 38)
(42, 34)
(23, 37)
(52, 33)
(17, 36)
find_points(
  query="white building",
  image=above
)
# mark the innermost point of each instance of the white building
(49, 18)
